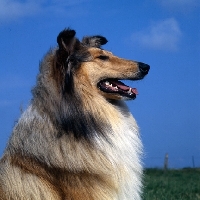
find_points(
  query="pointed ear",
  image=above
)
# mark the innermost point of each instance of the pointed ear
(94, 41)
(67, 45)
(66, 41)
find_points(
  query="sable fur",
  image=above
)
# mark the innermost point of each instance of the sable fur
(75, 141)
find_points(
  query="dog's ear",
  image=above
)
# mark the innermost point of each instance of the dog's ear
(94, 41)
(67, 42)
(67, 45)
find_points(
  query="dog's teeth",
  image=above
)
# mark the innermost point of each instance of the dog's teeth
(130, 92)
(107, 83)
(111, 85)
(116, 88)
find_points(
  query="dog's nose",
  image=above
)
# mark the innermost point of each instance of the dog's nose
(144, 68)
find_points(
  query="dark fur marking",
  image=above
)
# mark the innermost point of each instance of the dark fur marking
(75, 121)
(73, 62)
(67, 44)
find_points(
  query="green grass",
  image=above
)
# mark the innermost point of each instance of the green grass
(172, 184)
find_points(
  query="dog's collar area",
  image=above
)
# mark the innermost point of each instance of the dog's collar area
(117, 87)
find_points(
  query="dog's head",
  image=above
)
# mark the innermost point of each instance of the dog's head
(85, 66)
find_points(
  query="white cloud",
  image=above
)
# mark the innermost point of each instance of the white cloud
(12, 9)
(162, 35)
(15, 9)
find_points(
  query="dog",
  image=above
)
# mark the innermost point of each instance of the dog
(77, 139)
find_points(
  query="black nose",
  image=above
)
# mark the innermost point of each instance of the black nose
(144, 68)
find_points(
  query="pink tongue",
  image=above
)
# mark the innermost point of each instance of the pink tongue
(134, 90)
(124, 87)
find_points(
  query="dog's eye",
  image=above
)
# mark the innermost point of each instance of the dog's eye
(102, 57)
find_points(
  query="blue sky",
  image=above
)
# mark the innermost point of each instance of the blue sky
(164, 34)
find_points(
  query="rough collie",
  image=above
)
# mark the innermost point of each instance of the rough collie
(77, 139)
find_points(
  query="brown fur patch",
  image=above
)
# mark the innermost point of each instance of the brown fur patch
(64, 183)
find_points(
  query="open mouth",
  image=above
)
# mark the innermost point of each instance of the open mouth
(117, 87)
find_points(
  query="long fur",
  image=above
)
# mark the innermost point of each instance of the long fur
(74, 141)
